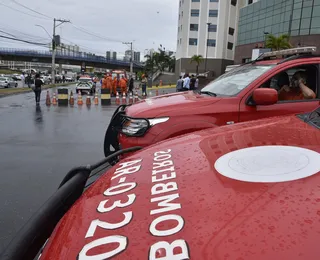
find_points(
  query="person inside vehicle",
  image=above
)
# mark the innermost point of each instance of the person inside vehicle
(297, 89)
(280, 81)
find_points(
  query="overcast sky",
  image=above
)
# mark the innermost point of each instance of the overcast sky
(148, 23)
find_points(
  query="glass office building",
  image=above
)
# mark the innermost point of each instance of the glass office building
(294, 17)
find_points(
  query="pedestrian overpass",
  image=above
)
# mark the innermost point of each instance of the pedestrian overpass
(66, 59)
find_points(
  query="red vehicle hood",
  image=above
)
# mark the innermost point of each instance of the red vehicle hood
(165, 104)
(176, 202)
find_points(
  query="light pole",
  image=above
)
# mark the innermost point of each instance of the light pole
(131, 58)
(54, 42)
(205, 67)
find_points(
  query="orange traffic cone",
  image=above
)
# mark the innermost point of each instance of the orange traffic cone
(117, 99)
(130, 98)
(71, 101)
(144, 95)
(80, 101)
(54, 99)
(96, 99)
(88, 101)
(48, 100)
(136, 98)
(124, 98)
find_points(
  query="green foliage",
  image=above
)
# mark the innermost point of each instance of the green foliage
(278, 43)
(198, 59)
(159, 61)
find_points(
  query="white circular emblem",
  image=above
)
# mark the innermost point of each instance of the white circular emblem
(269, 164)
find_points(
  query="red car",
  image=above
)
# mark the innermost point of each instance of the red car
(247, 191)
(246, 93)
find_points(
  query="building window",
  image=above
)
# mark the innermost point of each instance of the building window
(211, 42)
(181, 28)
(180, 40)
(230, 46)
(231, 31)
(234, 2)
(214, 1)
(194, 27)
(195, 12)
(195, 0)
(250, 2)
(180, 3)
(213, 13)
(212, 28)
(182, 14)
(193, 41)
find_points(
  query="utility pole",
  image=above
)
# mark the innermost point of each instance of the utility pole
(131, 58)
(205, 67)
(54, 44)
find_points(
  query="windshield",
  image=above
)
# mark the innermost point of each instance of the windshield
(85, 80)
(233, 82)
(3, 79)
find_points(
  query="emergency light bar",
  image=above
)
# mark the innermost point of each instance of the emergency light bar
(301, 50)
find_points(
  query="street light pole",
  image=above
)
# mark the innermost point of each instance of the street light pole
(131, 59)
(205, 67)
(53, 65)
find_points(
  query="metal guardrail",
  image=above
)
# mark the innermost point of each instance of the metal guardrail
(62, 55)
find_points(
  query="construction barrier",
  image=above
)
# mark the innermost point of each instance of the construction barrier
(105, 97)
(63, 97)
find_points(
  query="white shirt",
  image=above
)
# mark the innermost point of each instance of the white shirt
(186, 82)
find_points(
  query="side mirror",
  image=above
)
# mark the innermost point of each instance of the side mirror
(265, 96)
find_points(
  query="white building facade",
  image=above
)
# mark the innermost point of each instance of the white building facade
(215, 41)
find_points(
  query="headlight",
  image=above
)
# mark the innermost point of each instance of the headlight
(135, 127)
(138, 127)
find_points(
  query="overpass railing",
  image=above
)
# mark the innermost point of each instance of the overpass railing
(79, 56)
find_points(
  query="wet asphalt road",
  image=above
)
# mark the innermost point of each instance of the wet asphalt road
(38, 147)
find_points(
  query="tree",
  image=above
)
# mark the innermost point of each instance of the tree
(278, 43)
(198, 59)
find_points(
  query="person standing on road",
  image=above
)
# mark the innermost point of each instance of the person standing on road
(123, 85)
(186, 82)
(180, 84)
(144, 82)
(197, 83)
(22, 79)
(192, 83)
(37, 88)
(131, 85)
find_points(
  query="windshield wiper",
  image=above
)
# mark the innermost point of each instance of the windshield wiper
(208, 93)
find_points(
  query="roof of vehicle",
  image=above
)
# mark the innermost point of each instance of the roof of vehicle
(188, 195)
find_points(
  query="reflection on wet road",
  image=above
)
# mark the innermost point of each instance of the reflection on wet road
(38, 147)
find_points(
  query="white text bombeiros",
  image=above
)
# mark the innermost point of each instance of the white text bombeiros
(164, 194)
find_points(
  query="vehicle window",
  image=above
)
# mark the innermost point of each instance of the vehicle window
(233, 82)
(85, 80)
(287, 83)
(3, 79)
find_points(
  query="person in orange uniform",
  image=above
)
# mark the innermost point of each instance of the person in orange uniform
(115, 85)
(109, 83)
(123, 85)
(104, 82)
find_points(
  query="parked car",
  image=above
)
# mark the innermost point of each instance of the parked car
(7, 82)
(245, 191)
(245, 93)
(85, 85)
(45, 79)
(16, 77)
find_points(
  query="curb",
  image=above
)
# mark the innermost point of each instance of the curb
(24, 90)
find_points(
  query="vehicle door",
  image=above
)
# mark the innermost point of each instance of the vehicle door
(249, 110)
